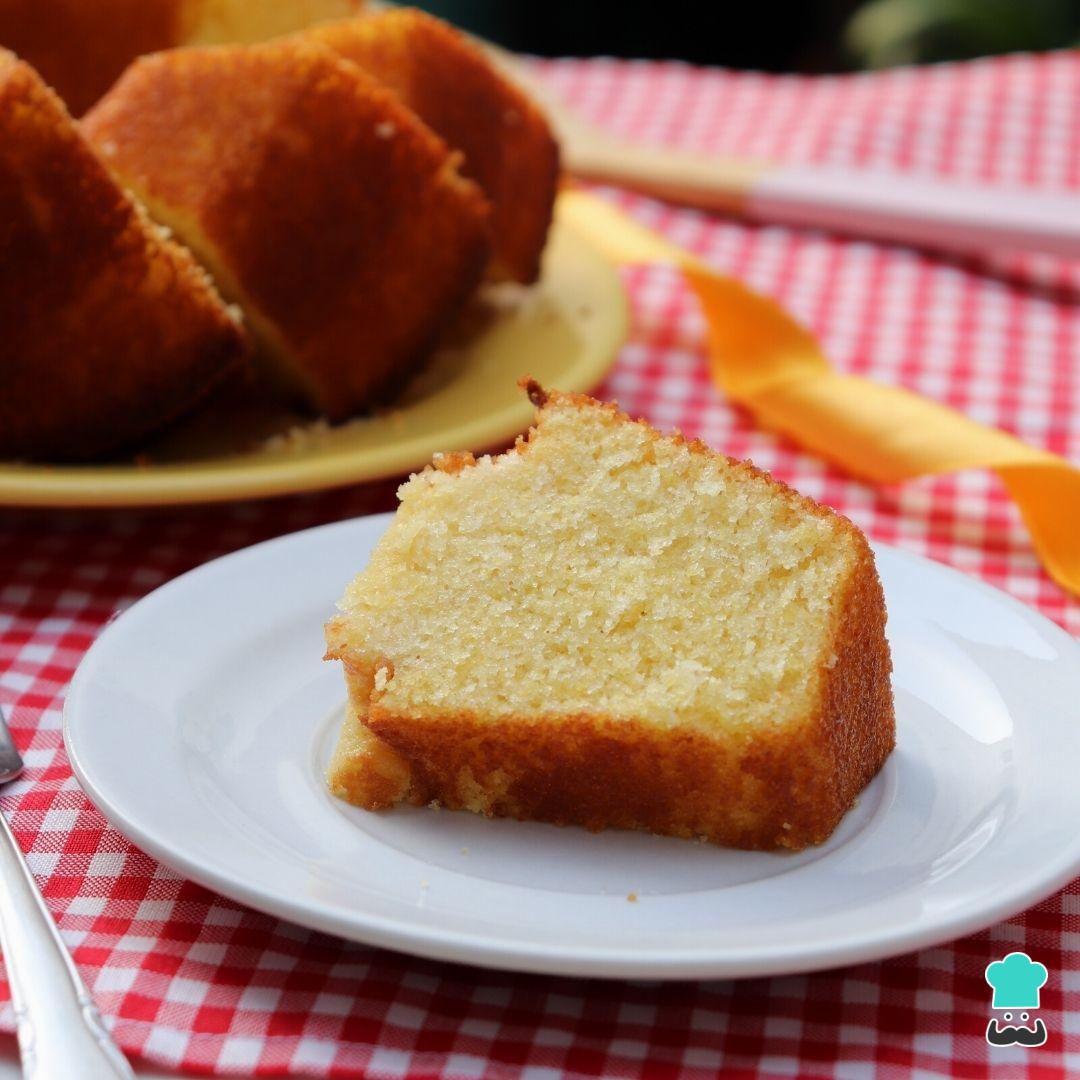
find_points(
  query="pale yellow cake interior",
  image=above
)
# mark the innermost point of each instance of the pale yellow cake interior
(603, 570)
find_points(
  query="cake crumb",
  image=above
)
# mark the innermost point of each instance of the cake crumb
(434, 805)
(299, 437)
(464, 851)
(632, 897)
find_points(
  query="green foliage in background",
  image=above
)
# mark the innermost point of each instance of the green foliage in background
(887, 32)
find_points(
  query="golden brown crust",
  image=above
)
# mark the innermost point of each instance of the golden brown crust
(508, 147)
(109, 330)
(857, 719)
(81, 47)
(784, 789)
(320, 203)
(454, 461)
(534, 391)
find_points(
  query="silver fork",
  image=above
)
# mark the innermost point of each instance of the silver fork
(60, 1032)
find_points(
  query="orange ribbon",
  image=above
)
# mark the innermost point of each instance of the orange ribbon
(762, 359)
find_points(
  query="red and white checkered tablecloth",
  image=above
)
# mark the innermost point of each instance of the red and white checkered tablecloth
(189, 979)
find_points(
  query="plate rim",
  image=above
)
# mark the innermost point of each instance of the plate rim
(679, 963)
(215, 480)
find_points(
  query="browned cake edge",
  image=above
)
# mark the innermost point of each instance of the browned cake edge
(111, 329)
(280, 231)
(783, 789)
(509, 148)
(80, 48)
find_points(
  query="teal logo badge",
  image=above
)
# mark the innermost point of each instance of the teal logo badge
(1016, 981)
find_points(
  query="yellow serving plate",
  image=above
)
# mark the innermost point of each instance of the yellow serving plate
(565, 331)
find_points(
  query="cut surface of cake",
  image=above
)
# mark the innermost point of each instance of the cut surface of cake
(609, 627)
(322, 206)
(108, 329)
(81, 46)
(508, 147)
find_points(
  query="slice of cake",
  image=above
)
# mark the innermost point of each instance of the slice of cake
(332, 215)
(508, 147)
(613, 628)
(108, 329)
(81, 46)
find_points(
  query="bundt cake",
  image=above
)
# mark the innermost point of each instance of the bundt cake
(109, 328)
(508, 147)
(332, 215)
(81, 46)
(613, 628)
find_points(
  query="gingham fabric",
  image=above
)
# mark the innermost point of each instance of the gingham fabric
(188, 979)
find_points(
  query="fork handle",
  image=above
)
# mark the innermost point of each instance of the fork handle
(60, 1032)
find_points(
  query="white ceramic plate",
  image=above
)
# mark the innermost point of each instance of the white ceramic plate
(201, 719)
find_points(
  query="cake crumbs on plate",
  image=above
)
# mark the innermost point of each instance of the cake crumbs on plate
(299, 436)
(632, 898)
(492, 302)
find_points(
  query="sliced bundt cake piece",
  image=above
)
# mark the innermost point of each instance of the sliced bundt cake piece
(108, 329)
(613, 628)
(508, 147)
(322, 205)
